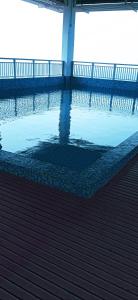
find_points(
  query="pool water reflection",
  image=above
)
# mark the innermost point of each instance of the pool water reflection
(84, 119)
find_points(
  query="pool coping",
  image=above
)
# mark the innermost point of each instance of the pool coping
(83, 184)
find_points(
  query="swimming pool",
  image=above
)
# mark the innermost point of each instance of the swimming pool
(68, 117)
(70, 129)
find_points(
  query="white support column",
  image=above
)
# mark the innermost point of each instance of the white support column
(68, 36)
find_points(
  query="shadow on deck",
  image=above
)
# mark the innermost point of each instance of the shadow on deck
(56, 246)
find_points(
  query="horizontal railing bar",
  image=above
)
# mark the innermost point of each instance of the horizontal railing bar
(55, 60)
(30, 59)
(89, 62)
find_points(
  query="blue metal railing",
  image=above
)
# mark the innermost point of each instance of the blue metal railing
(105, 71)
(29, 68)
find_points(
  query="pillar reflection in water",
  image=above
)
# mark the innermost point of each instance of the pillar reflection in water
(65, 118)
(0, 141)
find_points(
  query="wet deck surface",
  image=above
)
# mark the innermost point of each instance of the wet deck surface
(56, 246)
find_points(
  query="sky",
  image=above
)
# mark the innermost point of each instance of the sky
(27, 31)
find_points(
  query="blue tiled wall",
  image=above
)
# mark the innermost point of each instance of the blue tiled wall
(124, 86)
(30, 83)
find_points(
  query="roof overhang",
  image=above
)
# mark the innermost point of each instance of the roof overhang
(49, 4)
(88, 5)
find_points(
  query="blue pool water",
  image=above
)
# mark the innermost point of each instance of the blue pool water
(69, 118)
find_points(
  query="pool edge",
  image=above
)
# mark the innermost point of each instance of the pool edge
(83, 184)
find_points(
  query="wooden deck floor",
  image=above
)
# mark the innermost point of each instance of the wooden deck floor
(55, 246)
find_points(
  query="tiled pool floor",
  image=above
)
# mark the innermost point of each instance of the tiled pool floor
(67, 156)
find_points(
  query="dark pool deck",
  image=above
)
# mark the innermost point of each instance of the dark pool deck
(56, 246)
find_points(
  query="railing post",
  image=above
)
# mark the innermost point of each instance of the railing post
(137, 77)
(33, 68)
(72, 68)
(49, 68)
(92, 70)
(114, 71)
(14, 67)
(62, 68)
